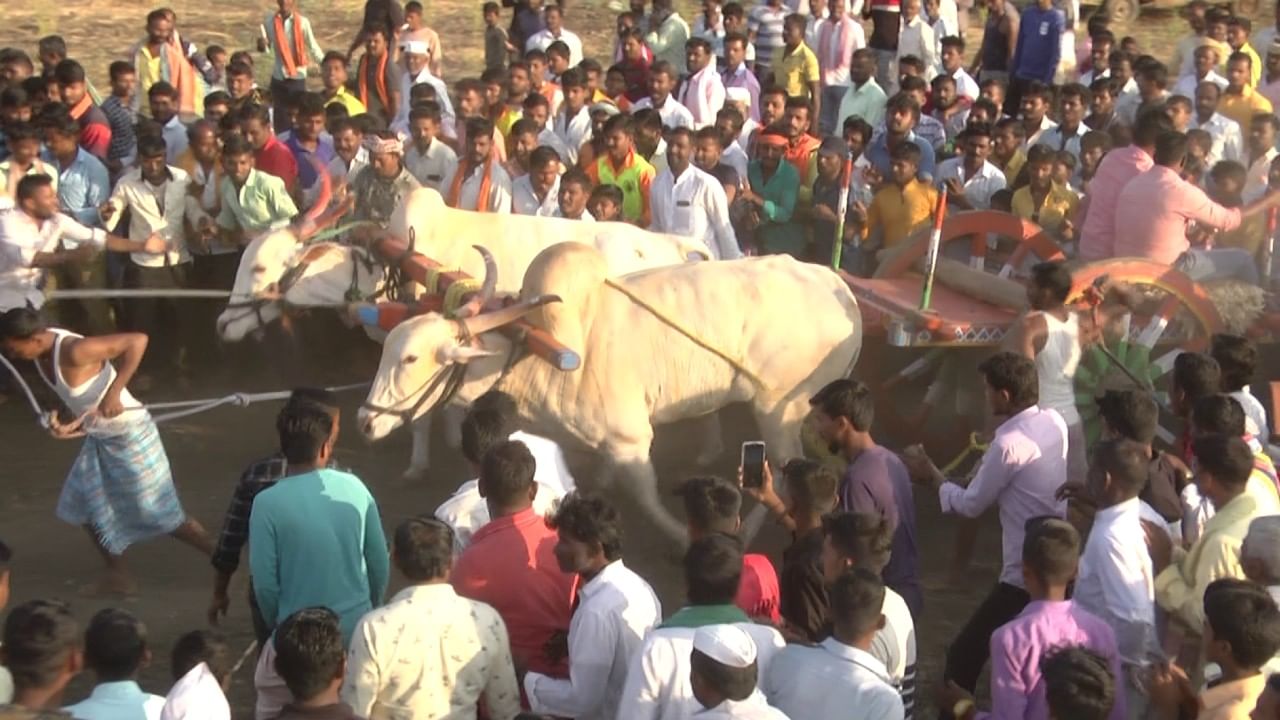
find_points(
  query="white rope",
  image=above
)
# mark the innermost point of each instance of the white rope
(182, 408)
(96, 293)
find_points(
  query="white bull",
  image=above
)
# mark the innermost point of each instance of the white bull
(277, 271)
(790, 327)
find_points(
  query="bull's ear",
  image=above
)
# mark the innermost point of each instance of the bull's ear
(461, 354)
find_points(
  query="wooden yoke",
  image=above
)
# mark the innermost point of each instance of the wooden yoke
(419, 267)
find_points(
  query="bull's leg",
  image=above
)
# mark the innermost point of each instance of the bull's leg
(642, 483)
(452, 416)
(420, 459)
(710, 439)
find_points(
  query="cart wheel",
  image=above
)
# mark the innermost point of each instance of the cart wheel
(1027, 238)
(1175, 315)
(1121, 13)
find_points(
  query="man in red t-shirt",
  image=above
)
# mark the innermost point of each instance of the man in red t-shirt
(511, 562)
(711, 505)
(269, 154)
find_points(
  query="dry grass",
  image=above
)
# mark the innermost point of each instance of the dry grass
(99, 31)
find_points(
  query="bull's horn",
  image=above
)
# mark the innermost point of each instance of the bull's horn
(462, 353)
(507, 315)
(473, 306)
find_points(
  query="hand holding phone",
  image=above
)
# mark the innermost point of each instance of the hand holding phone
(753, 464)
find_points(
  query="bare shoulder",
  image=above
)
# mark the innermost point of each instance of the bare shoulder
(90, 350)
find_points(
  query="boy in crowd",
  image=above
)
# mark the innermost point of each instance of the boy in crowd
(115, 649)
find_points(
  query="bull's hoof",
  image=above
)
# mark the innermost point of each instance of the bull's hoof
(414, 475)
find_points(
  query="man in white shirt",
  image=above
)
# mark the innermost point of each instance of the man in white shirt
(723, 674)
(159, 202)
(478, 170)
(689, 202)
(1115, 580)
(1228, 142)
(658, 682)
(537, 192)
(427, 158)
(662, 81)
(952, 59)
(1261, 146)
(429, 652)
(115, 649)
(575, 192)
(1073, 103)
(616, 609)
(350, 155)
(163, 99)
(863, 541)
(840, 673)
(971, 179)
(35, 236)
(1206, 59)
(703, 93)
(1260, 554)
(1021, 473)
(417, 58)
(572, 123)
(553, 17)
(491, 420)
(537, 109)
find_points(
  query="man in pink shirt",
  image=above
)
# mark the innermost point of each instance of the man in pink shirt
(511, 562)
(1153, 212)
(1118, 167)
(838, 36)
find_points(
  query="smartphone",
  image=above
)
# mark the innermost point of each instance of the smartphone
(753, 464)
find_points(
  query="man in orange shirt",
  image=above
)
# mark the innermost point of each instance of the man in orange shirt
(802, 148)
(511, 562)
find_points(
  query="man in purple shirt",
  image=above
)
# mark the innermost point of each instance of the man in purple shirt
(1050, 621)
(310, 148)
(1021, 471)
(1118, 167)
(875, 481)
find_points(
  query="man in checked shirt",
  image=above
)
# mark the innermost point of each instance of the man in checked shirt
(257, 477)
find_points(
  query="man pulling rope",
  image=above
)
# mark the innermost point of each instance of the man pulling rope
(120, 488)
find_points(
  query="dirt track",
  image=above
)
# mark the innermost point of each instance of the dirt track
(208, 452)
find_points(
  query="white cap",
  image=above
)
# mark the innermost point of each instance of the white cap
(726, 644)
(737, 94)
(416, 47)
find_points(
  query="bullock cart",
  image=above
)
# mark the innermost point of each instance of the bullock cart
(978, 293)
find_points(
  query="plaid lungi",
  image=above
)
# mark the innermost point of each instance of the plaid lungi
(120, 485)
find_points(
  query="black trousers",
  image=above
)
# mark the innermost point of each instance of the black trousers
(210, 272)
(971, 649)
(282, 92)
(160, 318)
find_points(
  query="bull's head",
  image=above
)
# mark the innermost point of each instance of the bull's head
(255, 296)
(420, 355)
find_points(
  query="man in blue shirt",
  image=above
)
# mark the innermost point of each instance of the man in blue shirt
(1039, 48)
(317, 540)
(900, 116)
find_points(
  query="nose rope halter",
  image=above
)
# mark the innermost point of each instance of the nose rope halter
(451, 376)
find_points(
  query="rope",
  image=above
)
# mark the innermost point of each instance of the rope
(324, 235)
(453, 296)
(964, 454)
(671, 322)
(94, 293)
(181, 408)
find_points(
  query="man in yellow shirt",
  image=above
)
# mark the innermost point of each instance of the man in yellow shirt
(795, 67)
(333, 70)
(901, 205)
(1224, 464)
(1238, 29)
(1240, 102)
(1042, 201)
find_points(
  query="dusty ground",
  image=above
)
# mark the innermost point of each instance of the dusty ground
(208, 451)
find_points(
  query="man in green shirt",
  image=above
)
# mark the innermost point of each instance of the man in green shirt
(252, 202)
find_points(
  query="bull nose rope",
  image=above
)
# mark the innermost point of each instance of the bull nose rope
(179, 408)
(675, 325)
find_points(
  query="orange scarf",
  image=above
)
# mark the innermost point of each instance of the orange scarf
(464, 172)
(174, 63)
(294, 56)
(363, 82)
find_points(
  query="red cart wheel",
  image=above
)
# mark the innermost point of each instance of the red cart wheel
(1027, 238)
